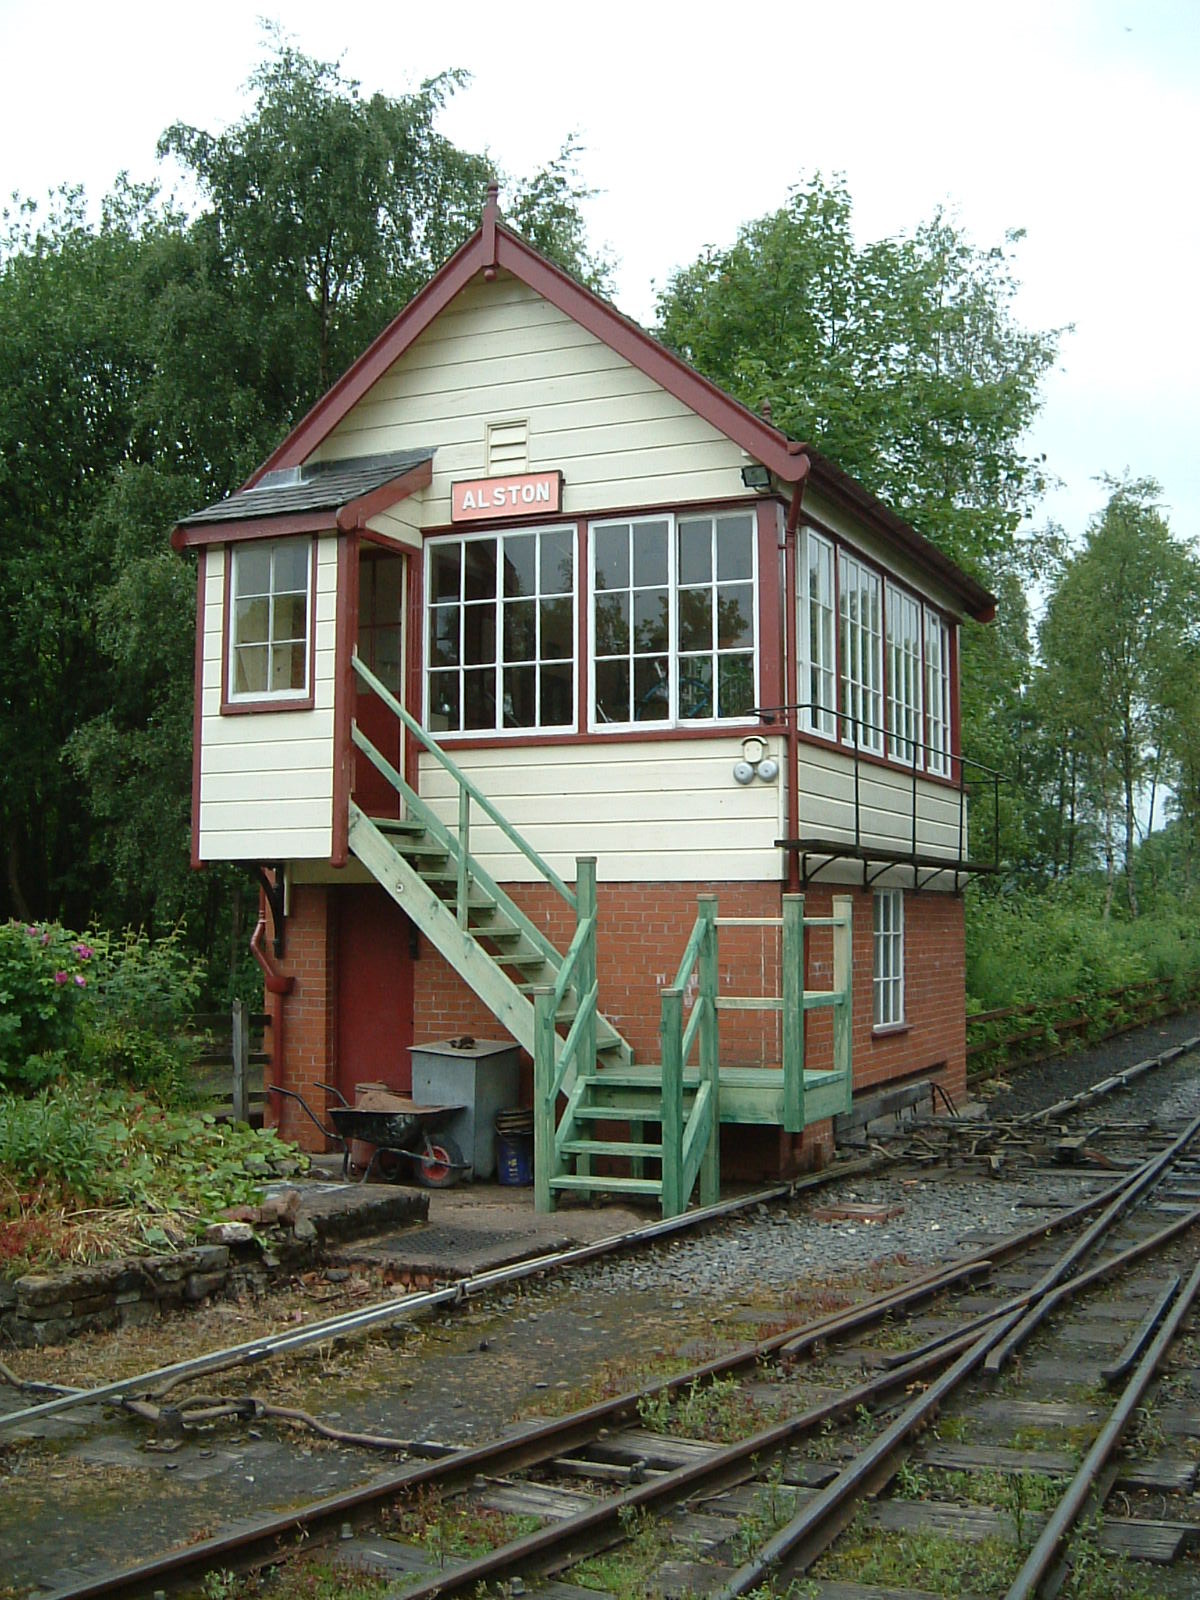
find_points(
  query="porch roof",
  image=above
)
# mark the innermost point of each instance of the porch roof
(315, 493)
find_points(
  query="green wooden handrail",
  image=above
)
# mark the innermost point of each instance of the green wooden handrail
(465, 786)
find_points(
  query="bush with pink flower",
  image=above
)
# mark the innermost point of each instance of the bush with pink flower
(110, 1006)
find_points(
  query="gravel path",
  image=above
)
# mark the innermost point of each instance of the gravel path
(940, 1217)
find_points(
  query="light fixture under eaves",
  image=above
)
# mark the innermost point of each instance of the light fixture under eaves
(756, 476)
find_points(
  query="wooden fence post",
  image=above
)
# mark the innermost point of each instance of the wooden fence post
(240, 1051)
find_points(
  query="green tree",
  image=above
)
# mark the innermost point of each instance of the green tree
(901, 359)
(148, 360)
(1119, 639)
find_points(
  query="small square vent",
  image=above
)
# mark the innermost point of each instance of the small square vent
(507, 448)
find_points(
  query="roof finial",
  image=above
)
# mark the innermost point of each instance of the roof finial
(765, 410)
(491, 213)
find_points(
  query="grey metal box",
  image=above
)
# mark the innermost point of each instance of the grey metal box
(483, 1077)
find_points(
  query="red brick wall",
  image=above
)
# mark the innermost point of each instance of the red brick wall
(309, 1016)
(643, 931)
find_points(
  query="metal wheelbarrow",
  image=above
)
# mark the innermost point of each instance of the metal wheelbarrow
(404, 1136)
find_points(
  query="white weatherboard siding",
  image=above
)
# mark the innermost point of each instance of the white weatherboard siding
(656, 811)
(500, 351)
(266, 778)
(885, 802)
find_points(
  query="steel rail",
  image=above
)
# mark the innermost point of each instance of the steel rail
(1054, 1534)
(262, 1540)
(1139, 1181)
(346, 1324)
(795, 1547)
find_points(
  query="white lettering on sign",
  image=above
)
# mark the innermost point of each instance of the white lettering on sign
(535, 491)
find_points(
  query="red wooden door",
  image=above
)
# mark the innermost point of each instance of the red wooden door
(381, 646)
(375, 990)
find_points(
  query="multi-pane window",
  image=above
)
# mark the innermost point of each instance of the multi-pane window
(715, 573)
(673, 634)
(903, 677)
(818, 693)
(631, 620)
(501, 647)
(268, 636)
(889, 957)
(937, 694)
(861, 613)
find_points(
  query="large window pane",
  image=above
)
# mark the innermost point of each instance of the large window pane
(505, 625)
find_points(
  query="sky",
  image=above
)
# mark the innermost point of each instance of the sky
(1075, 120)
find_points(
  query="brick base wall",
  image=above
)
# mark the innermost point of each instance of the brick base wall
(643, 931)
(308, 1035)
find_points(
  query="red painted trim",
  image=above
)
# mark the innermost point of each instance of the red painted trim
(583, 624)
(237, 529)
(491, 213)
(785, 457)
(787, 460)
(198, 705)
(356, 513)
(955, 709)
(650, 733)
(305, 702)
(831, 480)
(414, 700)
(791, 717)
(770, 620)
(425, 306)
(343, 696)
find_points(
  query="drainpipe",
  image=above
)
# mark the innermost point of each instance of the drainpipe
(791, 693)
(277, 986)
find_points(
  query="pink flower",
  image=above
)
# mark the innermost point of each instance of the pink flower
(62, 977)
(83, 951)
(45, 938)
(80, 981)
(32, 932)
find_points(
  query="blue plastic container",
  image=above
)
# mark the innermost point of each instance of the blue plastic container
(514, 1159)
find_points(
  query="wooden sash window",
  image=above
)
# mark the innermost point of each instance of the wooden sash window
(271, 598)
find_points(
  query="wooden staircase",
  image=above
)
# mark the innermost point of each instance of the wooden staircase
(602, 1124)
(503, 956)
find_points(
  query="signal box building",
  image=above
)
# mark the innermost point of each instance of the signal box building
(557, 697)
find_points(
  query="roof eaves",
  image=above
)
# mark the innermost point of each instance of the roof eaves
(831, 479)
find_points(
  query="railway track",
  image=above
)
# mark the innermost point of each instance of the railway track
(807, 1390)
(841, 1409)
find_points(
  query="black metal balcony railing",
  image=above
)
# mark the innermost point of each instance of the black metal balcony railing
(860, 738)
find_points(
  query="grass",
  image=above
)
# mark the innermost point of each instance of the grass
(719, 1410)
(627, 1572)
(459, 1528)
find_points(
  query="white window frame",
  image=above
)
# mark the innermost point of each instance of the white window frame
(498, 664)
(861, 653)
(888, 958)
(676, 660)
(905, 727)
(938, 754)
(271, 549)
(818, 636)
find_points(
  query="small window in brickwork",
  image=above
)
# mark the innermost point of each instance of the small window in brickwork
(889, 957)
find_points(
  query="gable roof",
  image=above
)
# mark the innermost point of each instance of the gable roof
(493, 248)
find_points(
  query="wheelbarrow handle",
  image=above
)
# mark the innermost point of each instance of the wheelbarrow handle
(330, 1133)
(332, 1088)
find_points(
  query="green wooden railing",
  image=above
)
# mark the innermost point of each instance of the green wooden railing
(564, 1066)
(457, 844)
(692, 1149)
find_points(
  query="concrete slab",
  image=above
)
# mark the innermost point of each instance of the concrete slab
(441, 1234)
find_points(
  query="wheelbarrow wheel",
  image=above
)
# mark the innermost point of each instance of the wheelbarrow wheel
(442, 1165)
